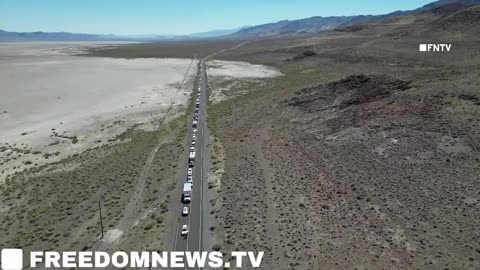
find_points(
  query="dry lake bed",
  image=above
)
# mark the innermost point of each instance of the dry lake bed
(51, 98)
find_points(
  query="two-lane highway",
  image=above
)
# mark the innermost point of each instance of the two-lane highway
(195, 241)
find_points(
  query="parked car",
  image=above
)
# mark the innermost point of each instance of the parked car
(190, 179)
(190, 171)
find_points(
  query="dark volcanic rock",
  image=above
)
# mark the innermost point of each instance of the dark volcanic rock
(301, 56)
(357, 89)
(353, 90)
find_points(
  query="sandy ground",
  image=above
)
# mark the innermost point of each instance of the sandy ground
(233, 76)
(55, 104)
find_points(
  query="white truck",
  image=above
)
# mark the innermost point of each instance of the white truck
(187, 192)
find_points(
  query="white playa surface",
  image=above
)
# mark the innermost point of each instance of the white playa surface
(44, 90)
(238, 69)
(228, 75)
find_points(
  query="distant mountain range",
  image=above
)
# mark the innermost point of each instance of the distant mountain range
(216, 33)
(309, 25)
(286, 27)
(321, 24)
(66, 36)
(57, 36)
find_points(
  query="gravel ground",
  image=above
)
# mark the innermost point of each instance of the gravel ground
(363, 156)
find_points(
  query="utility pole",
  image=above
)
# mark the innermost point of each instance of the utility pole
(100, 211)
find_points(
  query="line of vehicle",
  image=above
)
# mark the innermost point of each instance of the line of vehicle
(196, 159)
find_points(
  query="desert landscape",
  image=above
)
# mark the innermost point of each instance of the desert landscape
(364, 155)
(77, 131)
(80, 130)
(327, 142)
(55, 102)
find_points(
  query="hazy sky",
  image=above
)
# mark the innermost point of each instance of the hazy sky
(175, 16)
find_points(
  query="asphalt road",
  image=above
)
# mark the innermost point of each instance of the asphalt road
(197, 219)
